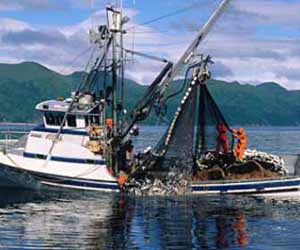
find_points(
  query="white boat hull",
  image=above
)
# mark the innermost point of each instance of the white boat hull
(17, 171)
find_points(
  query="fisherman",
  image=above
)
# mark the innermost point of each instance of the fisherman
(109, 125)
(122, 179)
(221, 139)
(239, 149)
(129, 150)
(126, 156)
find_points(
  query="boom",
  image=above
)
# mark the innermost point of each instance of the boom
(201, 35)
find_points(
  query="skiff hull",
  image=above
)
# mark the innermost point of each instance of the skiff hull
(261, 186)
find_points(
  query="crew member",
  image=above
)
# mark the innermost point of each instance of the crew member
(122, 179)
(129, 150)
(239, 149)
(109, 124)
(221, 139)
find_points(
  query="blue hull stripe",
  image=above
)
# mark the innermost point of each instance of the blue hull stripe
(258, 186)
(62, 180)
(89, 185)
(83, 184)
(41, 128)
(75, 182)
(64, 159)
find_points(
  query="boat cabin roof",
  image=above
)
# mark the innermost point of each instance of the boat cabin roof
(62, 106)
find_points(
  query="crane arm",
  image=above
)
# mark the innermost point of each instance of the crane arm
(201, 35)
(158, 87)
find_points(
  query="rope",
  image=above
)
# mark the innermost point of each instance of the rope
(71, 64)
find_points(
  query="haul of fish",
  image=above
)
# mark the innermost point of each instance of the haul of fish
(270, 162)
(207, 161)
(172, 184)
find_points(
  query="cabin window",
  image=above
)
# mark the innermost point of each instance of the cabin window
(95, 120)
(59, 119)
(71, 119)
(54, 119)
(87, 123)
(89, 120)
(49, 119)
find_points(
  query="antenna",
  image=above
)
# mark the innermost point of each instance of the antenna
(133, 36)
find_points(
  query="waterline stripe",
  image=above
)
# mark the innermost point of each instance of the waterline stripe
(68, 181)
(106, 189)
(263, 186)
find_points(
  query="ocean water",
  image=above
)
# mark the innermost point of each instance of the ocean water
(85, 220)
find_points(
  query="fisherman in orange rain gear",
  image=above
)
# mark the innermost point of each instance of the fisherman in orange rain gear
(221, 139)
(109, 124)
(241, 144)
(122, 179)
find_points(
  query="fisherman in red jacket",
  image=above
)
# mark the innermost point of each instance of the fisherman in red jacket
(221, 139)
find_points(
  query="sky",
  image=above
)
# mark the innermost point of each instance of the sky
(255, 41)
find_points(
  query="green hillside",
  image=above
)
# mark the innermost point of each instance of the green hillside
(26, 84)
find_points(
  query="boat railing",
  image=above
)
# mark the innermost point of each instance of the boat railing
(14, 135)
(12, 139)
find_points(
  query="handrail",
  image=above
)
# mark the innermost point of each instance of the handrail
(11, 138)
(14, 132)
(17, 123)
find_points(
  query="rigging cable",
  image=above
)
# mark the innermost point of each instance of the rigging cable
(170, 14)
(57, 136)
(184, 83)
(62, 71)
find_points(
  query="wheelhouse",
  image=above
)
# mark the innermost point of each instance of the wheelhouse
(85, 112)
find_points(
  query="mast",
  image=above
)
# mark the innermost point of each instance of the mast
(122, 101)
(114, 20)
(114, 86)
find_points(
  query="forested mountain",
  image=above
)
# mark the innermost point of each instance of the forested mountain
(23, 85)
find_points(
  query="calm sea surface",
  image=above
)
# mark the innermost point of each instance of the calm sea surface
(75, 220)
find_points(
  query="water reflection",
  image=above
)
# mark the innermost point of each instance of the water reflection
(105, 221)
(206, 223)
(47, 221)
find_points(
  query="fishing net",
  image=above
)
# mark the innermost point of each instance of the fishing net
(178, 143)
(194, 129)
(208, 120)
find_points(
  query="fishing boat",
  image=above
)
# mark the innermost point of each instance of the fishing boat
(81, 141)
